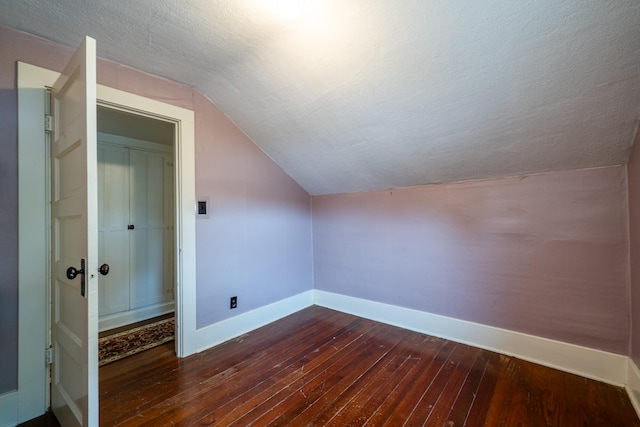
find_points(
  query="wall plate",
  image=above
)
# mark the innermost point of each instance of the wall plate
(202, 207)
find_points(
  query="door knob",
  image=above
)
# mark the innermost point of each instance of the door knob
(104, 269)
(73, 272)
(130, 227)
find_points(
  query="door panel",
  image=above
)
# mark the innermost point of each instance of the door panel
(113, 218)
(149, 198)
(135, 187)
(74, 326)
(169, 230)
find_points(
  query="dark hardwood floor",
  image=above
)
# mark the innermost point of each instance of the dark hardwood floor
(320, 367)
(46, 420)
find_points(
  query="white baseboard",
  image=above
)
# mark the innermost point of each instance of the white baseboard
(587, 362)
(9, 409)
(633, 385)
(117, 320)
(235, 326)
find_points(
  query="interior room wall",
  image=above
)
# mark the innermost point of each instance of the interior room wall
(543, 254)
(633, 171)
(256, 243)
(8, 216)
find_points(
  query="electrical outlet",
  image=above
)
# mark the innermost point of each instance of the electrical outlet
(233, 303)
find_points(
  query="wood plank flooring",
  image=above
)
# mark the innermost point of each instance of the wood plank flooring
(324, 368)
(319, 367)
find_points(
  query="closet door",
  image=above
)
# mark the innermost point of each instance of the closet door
(148, 247)
(113, 236)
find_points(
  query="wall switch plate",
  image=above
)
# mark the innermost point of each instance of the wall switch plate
(202, 207)
(233, 303)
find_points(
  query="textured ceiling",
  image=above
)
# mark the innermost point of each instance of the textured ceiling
(362, 94)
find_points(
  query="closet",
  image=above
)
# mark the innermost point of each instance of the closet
(135, 227)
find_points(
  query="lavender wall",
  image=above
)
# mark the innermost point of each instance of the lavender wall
(544, 254)
(256, 244)
(633, 172)
(257, 241)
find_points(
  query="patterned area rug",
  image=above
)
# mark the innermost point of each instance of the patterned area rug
(115, 347)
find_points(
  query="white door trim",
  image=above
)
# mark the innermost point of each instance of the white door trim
(33, 243)
(33, 228)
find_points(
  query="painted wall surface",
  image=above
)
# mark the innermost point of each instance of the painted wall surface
(633, 172)
(543, 254)
(256, 243)
(8, 217)
(257, 210)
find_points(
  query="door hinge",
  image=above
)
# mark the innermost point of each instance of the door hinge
(48, 123)
(48, 356)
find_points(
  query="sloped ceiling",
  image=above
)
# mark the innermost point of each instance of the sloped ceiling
(352, 95)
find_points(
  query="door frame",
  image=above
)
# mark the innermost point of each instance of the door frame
(34, 224)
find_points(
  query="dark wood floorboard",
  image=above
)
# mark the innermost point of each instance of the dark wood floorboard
(325, 368)
(319, 367)
(46, 420)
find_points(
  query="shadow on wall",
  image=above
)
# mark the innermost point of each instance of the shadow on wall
(8, 239)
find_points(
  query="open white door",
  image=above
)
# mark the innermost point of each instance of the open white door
(74, 246)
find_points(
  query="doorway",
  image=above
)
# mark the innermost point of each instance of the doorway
(135, 217)
(33, 395)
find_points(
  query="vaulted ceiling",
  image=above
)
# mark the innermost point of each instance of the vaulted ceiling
(353, 95)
